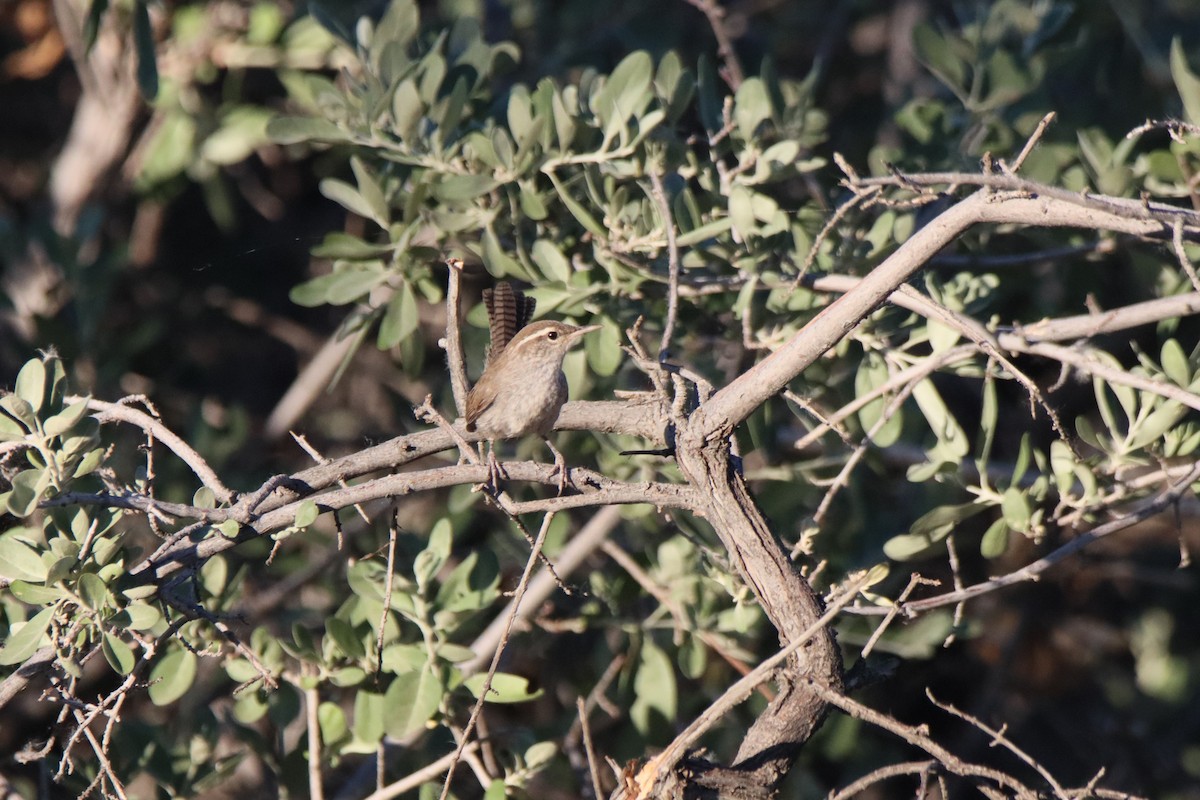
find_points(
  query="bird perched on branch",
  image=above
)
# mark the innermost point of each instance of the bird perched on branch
(522, 388)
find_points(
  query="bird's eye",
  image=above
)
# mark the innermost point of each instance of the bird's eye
(552, 335)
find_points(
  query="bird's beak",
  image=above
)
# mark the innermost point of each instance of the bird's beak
(579, 332)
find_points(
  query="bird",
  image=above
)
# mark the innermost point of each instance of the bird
(522, 388)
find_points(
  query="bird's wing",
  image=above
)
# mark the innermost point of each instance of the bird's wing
(479, 399)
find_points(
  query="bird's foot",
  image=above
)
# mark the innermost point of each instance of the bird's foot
(560, 468)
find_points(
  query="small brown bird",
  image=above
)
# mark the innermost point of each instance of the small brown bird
(522, 388)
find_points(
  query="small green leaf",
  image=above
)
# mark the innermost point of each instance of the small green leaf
(172, 676)
(540, 754)
(66, 419)
(25, 642)
(345, 637)
(31, 384)
(1186, 81)
(403, 658)
(27, 489)
(995, 540)
(944, 515)
(137, 617)
(332, 722)
(306, 514)
(92, 591)
(407, 110)
(751, 107)
(873, 373)
(943, 424)
(118, 654)
(1175, 363)
(741, 211)
(347, 197)
(250, 707)
(370, 192)
(400, 318)
(655, 693)
(35, 594)
(905, 546)
(343, 245)
(353, 283)
(457, 189)
(410, 702)
(369, 709)
(1152, 428)
(1016, 509)
(19, 561)
(581, 214)
(937, 53)
(625, 91)
(505, 688)
(603, 347)
(551, 261)
(89, 463)
(1062, 464)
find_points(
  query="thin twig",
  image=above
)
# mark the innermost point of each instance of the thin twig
(998, 737)
(919, 738)
(522, 585)
(664, 209)
(1034, 138)
(123, 413)
(716, 20)
(581, 708)
(1184, 262)
(312, 700)
(454, 349)
(389, 579)
(1031, 572)
(421, 776)
(882, 773)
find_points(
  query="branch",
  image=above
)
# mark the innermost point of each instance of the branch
(650, 778)
(919, 738)
(596, 489)
(1030, 572)
(124, 413)
(1035, 205)
(454, 349)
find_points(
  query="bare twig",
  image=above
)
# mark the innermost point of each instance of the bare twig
(454, 349)
(522, 585)
(1031, 572)
(1034, 138)
(421, 776)
(123, 413)
(1185, 263)
(581, 709)
(919, 738)
(312, 699)
(716, 20)
(999, 738)
(664, 209)
(873, 777)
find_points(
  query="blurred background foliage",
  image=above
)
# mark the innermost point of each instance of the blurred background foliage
(287, 197)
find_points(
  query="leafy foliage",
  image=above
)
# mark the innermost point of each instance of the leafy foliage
(909, 443)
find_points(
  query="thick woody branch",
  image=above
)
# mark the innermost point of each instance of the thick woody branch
(1044, 207)
(595, 489)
